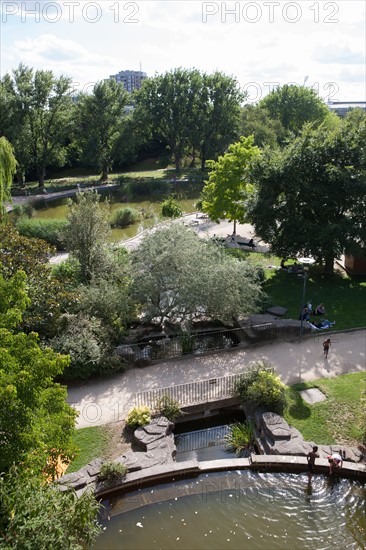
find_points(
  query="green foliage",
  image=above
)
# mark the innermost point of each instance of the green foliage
(7, 170)
(179, 275)
(49, 297)
(187, 341)
(267, 131)
(170, 208)
(124, 217)
(36, 423)
(112, 473)
(101, 122)
(34, 515)
(86, 234)
(85, 340)
(261, 386)
(48, 230)
(228, 187)
(294, 106)
(138, 416)
(41, 116)
(141, 187)
(240, 437)
(168, 407)
(311, 197)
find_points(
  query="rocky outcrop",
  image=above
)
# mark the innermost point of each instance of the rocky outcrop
(157, 441)
(275, 437)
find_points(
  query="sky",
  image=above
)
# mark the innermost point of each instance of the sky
(319, 44)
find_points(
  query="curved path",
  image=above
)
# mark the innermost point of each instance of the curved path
(103, 401)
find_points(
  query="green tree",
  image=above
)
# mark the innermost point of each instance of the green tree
(49, 296)
(86, 234)
(43, 109)
(267, 131)
(7, 171)
(311, 197)
(102, 116)
(34, 514)
(180, 276)
(170, 208)
(164, 105)
(295, 105)
(36, 423)
(214, 118)
(228, 187)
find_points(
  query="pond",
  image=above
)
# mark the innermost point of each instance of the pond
(239, 510)
(150, 213)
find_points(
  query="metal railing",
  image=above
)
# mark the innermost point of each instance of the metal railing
(192, 393)
(201, 439)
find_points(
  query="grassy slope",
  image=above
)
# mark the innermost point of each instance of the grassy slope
(338, 419)
(92, 442)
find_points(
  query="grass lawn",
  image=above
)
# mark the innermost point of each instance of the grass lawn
(336, 420)
(344, 297)
(92, 442)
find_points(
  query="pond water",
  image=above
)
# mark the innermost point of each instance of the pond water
(239, 510)
(150, 209)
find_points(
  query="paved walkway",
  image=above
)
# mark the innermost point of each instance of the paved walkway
(103, 401)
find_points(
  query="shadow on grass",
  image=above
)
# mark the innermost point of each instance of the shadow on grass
(297, 407)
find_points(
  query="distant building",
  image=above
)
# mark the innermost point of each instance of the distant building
(341, 108)
(131, 80)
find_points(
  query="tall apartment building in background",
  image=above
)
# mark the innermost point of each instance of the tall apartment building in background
(131, 80)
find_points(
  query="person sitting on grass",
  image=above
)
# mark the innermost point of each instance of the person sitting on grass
(319, 310)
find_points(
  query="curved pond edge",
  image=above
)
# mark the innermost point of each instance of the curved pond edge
(192, 468)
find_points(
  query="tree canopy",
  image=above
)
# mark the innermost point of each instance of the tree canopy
(177, 275)
(8, 165)
(311, 197)
(295, 105)
(228, 186)
(36, 423)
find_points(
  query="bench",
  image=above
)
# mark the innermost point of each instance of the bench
(249, 244)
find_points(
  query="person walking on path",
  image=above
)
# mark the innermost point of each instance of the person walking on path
(326, 346)
(312, 455)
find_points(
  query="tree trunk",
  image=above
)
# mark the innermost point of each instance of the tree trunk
(234, 232)
(41, 177)
(20, 178)
(177, 163)
(203, 163)
(329, 265)
(104, 176)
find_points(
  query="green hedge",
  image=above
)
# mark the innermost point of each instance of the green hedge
(48, 230)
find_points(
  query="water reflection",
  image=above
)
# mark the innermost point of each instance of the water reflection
(240, 510)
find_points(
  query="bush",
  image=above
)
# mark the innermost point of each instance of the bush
(124, 217)
(171, 209)
(112, 472)
(48, 230)
(240, 437)
(168, 407)
(261, 386)
(138, 416)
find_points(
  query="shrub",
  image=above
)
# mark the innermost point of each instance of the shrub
(124, 217)
(112, 472)
(240, 437)
(168, 407)
(171, 209)
(138, 416)
(48, 230)
(187, 342)
(261, 386)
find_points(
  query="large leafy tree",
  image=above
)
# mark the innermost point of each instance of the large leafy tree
(7, 170)
(43, 111)
(228, 186)
(295, 105)
(178, 275)
(49, 296)
(34, 515)
(101, 119)
(257, 122)
(215, 114)
(86, 234)
(311, 197)
(36, 423)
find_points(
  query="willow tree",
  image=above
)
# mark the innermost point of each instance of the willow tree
(228, 187)
(8, 165)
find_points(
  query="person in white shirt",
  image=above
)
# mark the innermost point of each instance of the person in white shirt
(335, 461)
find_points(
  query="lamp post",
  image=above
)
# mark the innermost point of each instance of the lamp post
(305, 262)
